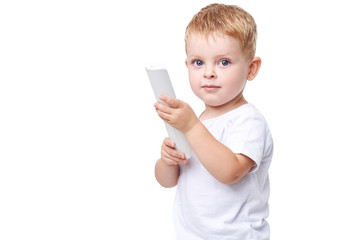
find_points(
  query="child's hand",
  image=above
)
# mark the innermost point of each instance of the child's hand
(170, 155)
(178, 114)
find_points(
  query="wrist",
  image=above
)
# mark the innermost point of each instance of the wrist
(195, 126)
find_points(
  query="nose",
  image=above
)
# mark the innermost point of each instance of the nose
(209, 72)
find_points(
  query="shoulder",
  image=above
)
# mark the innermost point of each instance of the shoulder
(249, 134)
(246, 116)
(248, 126)
(242, 121)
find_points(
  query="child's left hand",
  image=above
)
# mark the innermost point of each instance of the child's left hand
(178, 114)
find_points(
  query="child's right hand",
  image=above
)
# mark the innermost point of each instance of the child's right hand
(170, 155)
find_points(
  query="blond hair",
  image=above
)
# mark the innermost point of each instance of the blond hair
(229, 20)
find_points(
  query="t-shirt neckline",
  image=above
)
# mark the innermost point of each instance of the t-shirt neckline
(246, 105)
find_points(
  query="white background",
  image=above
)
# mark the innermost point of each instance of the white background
(79, 136)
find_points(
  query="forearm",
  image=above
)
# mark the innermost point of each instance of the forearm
(218, 159)
(166, 175)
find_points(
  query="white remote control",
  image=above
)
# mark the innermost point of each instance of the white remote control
(161, 85)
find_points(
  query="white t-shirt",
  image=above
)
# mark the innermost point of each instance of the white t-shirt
(207, 209)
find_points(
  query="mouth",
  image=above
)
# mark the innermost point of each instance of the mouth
(211, 88)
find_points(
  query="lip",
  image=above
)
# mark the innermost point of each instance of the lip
(211, 88)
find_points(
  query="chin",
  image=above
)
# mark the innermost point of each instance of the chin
(212, 100)
(214, 103)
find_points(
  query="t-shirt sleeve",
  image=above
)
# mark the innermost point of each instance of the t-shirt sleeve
(247, 136)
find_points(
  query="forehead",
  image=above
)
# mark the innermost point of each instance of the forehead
(212, 43)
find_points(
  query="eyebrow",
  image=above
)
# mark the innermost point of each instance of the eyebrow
(227, 55)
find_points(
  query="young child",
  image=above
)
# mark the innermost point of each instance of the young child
(223, 189)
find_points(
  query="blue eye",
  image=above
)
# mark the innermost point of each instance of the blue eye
(224, 62)
(198, 63)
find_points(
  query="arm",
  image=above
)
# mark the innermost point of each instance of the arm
(218, 159)
(231, 168)
(167, 168)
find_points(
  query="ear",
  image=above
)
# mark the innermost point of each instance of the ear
(186, 63)
(254, 68)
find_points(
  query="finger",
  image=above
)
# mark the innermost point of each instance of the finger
(168, 142)
(173, 153)
(164, 116)
(169, 149)
(171, 160)
(175, 103)
(162, 107)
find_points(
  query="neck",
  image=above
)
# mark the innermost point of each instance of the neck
(215, 111)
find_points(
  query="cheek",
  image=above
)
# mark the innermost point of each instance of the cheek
(194, 82)
(235, 86)
(237, 80)
(239, 84)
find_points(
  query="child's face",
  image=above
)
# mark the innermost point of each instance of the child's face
(217, 69)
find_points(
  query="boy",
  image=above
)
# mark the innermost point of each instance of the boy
(223, 189)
